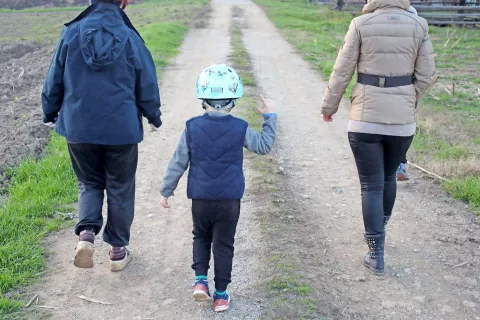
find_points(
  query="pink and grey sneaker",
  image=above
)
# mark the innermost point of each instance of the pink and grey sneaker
(201, 293)
(221, 301)
(402, 174)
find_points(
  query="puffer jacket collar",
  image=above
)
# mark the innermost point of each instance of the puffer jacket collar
(373, 5)
(98, 5)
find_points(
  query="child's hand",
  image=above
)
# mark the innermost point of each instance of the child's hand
(268, 106)
(153, 128)
(328, 118)
(164, 202)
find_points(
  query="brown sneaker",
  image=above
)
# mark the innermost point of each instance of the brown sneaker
(84, 255)
(121, 264)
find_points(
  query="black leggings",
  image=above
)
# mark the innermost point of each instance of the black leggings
(214, 226)
(377, 158)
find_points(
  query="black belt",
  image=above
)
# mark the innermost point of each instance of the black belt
(384, 82)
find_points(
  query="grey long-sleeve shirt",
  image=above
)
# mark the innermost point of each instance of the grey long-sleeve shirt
(254, 142)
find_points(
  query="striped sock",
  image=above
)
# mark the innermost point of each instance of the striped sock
(220, 293)
(204, 278)
(117, 253)
(87, 235)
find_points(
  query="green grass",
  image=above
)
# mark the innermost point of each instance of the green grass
(44, 25)
(147, 3)
(239, 57)
(40, 188)
(467, 189)
(163, 40)
(41, 9)
(448, 124)
(36, 192)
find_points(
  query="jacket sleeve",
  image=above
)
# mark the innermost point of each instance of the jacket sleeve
(52, 94)
(262, 144)
(424, 67)
(342, 71)
(147, 92)
(176, 167)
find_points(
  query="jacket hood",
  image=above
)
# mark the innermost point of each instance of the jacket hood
(373, 5)
(103, 36)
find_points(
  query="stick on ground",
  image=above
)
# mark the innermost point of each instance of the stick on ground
(428, 172)
(460, 264)
(48, 307)
(94, 300)
(31, 301)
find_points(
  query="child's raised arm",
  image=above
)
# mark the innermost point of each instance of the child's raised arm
(262, 144)
(176, 168)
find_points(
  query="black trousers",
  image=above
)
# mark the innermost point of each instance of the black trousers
(214, 223)
(111, 168)
(377, 158)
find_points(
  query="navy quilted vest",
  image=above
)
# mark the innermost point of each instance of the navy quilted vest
(216, 158)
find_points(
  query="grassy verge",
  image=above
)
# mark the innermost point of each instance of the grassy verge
(39, 190)
(43, 25)
(447, 140)
(290, 296)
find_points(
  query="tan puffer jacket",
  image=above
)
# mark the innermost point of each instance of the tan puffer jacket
(385, 41)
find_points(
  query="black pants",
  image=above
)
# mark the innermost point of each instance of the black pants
(377, 158)
(111, 168)
(214, 222)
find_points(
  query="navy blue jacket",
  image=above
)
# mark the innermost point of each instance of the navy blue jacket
(102, 80)
(216, 157)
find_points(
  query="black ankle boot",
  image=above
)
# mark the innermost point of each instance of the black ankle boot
(373, 259)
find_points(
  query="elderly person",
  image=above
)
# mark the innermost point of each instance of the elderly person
(101, 82)
(391, 50)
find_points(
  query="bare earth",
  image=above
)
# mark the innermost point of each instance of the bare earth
(433, 242)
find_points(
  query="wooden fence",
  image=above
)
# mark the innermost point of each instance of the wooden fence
(436, 12)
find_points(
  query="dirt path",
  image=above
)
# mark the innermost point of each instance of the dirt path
(428, 236)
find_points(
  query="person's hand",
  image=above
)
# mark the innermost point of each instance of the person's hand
(50, 125)
(267, 106)
(153, 128)
(164, 201)
(328, 117)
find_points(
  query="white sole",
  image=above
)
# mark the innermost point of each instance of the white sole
(84, 255)
(120, 265)
(200, 296)
(222, 308)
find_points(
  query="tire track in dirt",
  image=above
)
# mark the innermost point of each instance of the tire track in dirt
(158, 283)
(429, 233)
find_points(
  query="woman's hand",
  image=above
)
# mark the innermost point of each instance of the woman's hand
(268, 106)
(328, 117)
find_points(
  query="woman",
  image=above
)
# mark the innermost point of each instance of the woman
(393, 55)
(101, 82)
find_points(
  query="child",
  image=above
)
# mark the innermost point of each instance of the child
(402, 174)
(212, 145)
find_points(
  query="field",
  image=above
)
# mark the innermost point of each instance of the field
(30, 191)
(447, 140)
